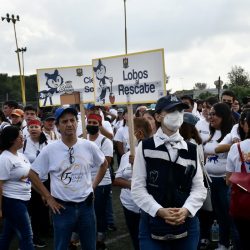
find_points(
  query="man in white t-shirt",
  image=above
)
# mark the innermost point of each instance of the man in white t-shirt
(69, 162)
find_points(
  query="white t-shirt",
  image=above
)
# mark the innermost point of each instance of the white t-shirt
(25, 132)
(117, 124)
(107, 149)
(69, 182)
(234, 132)
(14, 172)
(233, 158)
(32, 149)
(203, 128)
(122, 135)
(52, 135)
(215, 163)
(125, 171)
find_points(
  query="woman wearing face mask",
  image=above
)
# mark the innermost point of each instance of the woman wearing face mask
(39, 213)
(167, 183)
(102, 191)
(142, 130)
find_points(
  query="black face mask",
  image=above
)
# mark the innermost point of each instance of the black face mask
(92, 130)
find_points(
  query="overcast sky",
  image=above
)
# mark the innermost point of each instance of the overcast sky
(202, 39)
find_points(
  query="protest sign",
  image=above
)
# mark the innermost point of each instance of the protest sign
(131, 78)
(53, 82)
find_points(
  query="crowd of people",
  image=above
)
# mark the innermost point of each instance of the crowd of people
(172, 189)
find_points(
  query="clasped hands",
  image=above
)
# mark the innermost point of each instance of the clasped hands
(173, 216)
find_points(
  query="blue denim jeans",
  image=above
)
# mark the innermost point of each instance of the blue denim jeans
(109, 210)
(190, 242)
(220, 202)
(16, 221)
(76, 217)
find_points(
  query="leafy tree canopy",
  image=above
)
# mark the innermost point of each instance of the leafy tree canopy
(200, 86)
(238, 77)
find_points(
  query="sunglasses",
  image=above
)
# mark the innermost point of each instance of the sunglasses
(71, 157)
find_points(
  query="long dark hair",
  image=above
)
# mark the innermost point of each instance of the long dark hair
(242, 119)
(144, 125)
(3, 117)
(188, 131)
(248, 123)
(8, 136)
(223, 111)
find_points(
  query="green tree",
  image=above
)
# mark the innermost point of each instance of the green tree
(200, 86)
(238, 77)
(11, 88)
(205, 95)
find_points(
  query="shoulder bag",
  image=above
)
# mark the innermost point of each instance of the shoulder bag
(240, 191)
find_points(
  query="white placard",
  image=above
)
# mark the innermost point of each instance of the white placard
(52, 82)
(131, 78)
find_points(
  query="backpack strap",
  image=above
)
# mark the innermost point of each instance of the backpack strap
(103, 140)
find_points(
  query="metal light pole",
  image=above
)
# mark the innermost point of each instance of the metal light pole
(218, 85)
(125, 25)
(14, 19)
(22, 50)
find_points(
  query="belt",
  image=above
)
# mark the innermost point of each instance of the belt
(87, 201)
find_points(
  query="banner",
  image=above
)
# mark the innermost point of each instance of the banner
(132, 78)
(53, 82)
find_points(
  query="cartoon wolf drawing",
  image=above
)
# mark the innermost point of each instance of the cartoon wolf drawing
(100, 72)
(53, 82)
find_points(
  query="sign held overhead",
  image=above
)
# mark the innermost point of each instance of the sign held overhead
(53, 82)
(134, 78)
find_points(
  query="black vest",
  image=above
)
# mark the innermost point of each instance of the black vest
(169, 182)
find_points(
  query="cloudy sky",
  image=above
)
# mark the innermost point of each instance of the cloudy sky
(202, 39)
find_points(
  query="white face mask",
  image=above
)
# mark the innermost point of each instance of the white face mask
(173, 120)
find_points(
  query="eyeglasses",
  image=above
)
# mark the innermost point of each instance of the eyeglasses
(71, 157)
(212, 114)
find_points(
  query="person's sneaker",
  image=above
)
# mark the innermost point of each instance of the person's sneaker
(100, 245)
(37, 242)
(221, 247)
(112, 227)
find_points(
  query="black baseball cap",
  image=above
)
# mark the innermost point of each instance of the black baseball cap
(48, 116)
(168, 102)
